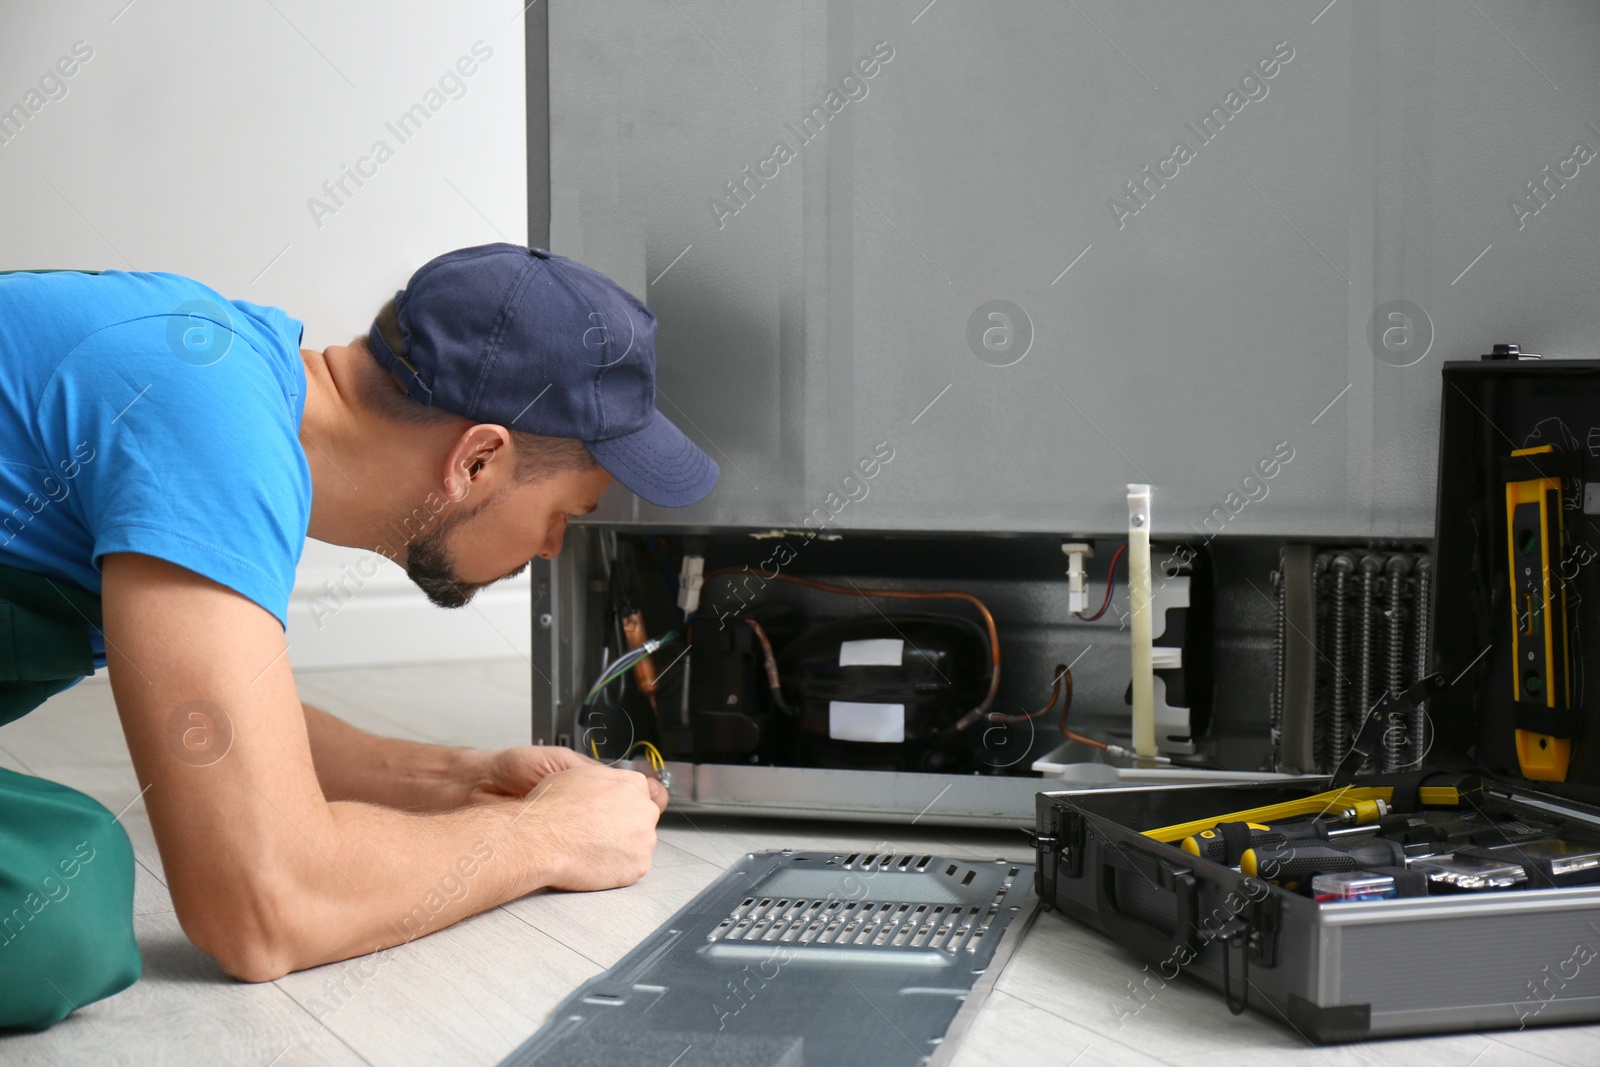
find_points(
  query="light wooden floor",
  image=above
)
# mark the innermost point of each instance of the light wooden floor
(471, 993)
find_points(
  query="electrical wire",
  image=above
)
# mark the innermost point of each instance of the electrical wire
(644, 673)
(907, 594)
(608, 674)
(615, 671)
(605, 668)
(652, 755)
(620, 665)
(1111, 584)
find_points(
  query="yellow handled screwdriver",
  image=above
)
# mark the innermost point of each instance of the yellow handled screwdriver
(1361, 798)
(1227, 842)
(1292, 865)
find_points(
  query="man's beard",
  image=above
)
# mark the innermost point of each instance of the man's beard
(428, 564)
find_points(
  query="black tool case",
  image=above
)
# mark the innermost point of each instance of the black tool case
(1351, 971)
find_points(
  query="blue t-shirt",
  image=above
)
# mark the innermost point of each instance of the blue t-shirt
(144, 412)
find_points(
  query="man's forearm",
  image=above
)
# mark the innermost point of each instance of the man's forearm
(355, 878)
(366, 878)
(355, 765)
(415, 874)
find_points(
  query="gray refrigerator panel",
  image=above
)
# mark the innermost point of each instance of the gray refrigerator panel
(1044, 249)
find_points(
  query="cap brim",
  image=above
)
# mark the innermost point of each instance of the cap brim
(659, 463)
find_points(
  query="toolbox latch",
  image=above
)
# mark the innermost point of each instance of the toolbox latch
(1060, 843)
(1266, 921)
(1074, 838)
(1045, 843)
(1044, 872)
(1235, 935)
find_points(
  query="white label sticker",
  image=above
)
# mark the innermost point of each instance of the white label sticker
(1591, 498)
(850, 721)
(878, 652)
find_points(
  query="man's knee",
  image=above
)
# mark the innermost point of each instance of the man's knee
(66, 902)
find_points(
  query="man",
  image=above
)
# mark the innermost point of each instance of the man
(164, 452)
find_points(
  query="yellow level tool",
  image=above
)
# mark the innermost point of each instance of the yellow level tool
(1363, 798)
(1539, 658)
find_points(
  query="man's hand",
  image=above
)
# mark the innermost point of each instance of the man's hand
(514, 772)
(355, 765)
(597, 824)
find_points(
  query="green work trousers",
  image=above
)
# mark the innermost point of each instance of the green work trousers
(66, 866)
(66, 903)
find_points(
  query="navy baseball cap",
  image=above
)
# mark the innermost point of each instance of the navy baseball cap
(537, 342)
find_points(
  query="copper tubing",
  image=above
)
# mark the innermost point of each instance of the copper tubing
(1062, 673)
(643, 672)
(1066, 674)
(771, 664)
(905, 594)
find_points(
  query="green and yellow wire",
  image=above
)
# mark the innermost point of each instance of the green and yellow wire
(652, 754)
(615, 670)
(621, 664)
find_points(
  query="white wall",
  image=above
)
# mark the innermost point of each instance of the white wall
(192, 140)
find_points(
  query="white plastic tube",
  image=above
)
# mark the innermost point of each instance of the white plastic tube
(1144, 697)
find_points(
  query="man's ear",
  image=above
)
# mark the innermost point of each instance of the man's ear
(473, 453)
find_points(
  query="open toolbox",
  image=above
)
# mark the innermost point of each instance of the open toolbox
(1461, 890)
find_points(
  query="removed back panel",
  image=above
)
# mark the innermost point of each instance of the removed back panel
(797, 958)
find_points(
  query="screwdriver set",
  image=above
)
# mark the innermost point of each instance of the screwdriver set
(1452, 825)
(1365, 853)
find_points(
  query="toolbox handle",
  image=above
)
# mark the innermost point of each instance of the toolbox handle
(1146, 938)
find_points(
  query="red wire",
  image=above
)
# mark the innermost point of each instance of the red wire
(1111, 584)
